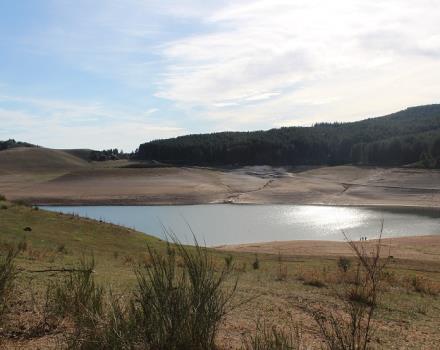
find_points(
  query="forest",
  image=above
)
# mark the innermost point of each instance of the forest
(408, 137)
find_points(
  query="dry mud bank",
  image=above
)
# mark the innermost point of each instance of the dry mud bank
(341, 185)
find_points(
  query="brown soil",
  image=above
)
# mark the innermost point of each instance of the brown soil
(42, 176)
(421, 248)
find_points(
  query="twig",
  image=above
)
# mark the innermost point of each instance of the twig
(56, 270)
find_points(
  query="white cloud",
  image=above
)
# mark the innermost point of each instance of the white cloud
(243, 64)
(66, 124)
(268, 61)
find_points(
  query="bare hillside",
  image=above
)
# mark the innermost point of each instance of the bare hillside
(38, 160)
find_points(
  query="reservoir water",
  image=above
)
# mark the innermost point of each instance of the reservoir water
(218, 224)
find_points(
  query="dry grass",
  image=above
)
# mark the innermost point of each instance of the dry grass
(407, 316)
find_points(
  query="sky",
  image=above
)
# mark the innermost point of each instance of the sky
(116, 73)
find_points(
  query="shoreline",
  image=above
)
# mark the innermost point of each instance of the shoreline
(420, 248)
(153, 204)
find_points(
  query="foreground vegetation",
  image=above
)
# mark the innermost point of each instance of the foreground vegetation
(72, 282)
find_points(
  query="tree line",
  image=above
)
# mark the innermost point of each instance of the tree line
(11, 143)
(406, 137)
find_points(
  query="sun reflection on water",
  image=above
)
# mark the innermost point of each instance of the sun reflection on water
(328, 219)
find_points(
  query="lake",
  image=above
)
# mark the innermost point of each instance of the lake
(218, 224)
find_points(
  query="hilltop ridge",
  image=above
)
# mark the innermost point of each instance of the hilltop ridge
(411, 136)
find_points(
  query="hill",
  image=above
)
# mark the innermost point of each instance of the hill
(11, 143)
(406, 137)
(82, 153)
(38, 160)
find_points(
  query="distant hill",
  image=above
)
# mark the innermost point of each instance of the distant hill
(98, 156)
(11, 143)
(82, 153)
(39, 160)
(411, 136)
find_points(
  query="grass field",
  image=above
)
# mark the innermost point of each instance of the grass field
(408, 315)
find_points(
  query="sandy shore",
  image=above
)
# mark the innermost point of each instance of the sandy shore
(420, 248)
(341, 185)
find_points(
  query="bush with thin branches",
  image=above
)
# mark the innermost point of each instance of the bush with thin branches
(178, 303)
(180, 308)
(351, 326)
(8, 273)
(80, 299)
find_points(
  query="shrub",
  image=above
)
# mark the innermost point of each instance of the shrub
(282, 269)
(273, 338)
(314, 282)
(256, 263)
(2, 197)
(180, 309)
(78, 291)
(424, 286)
(228, 261)
(22, 245)
(78, 298)
(62, 249)
(172, 307)
(352, 326)
(100, 320)
(344, 264)
(8, 274)
(3, 207)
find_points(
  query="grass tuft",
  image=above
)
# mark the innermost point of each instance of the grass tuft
(273, 338)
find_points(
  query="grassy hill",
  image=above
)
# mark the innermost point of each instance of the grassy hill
(55, 239)
(38, 160)
(82, 153)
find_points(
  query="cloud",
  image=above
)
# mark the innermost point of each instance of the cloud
(218, 65)
(115, 39)
(277, 60)
(67, 124)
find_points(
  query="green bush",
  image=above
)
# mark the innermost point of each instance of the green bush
(179, 303)
(180, 308)
(78, 298)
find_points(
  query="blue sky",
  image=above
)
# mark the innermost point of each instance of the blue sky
(115, 73)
